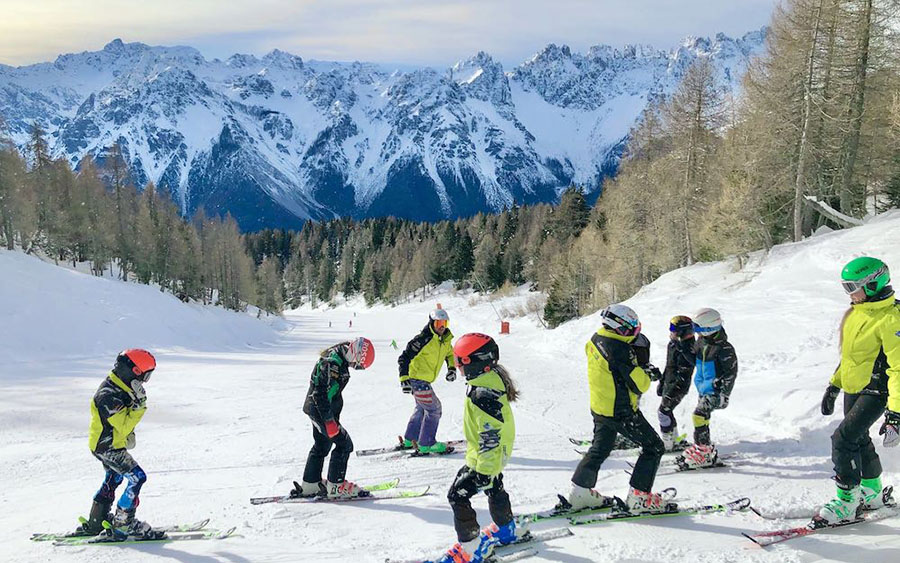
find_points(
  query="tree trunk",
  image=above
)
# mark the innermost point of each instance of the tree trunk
(857, 104)
(800, 176)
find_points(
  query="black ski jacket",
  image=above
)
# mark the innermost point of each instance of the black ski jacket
(327, 381)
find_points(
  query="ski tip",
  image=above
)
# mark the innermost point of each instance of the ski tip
(751, 538)
(227, 533)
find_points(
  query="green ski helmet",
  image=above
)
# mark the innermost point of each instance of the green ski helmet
(865, 272)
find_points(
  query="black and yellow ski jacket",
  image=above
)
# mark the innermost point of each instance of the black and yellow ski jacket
(870, 350)
(615, 379)
(424, 355)
(115, 412)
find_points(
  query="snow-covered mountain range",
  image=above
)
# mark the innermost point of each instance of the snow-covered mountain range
(275, 140)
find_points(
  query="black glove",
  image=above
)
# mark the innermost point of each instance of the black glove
(659, 388)
(406, 386)
(890, 429)
(653, 372)
(451, 374)
(829, 398)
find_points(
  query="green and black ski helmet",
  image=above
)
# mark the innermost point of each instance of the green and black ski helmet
(867, 273)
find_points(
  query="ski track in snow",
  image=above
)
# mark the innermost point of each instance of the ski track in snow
(225, 424)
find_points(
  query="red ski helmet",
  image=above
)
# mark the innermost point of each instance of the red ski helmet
(134, 364)
(361, 353)
(475, 354)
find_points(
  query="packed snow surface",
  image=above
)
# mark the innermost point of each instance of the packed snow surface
(225, 423)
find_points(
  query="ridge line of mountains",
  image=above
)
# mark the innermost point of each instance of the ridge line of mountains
(276, 140)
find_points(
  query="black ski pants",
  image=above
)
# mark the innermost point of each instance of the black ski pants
(466, 485)
(852, 450)
(635, 428)
(337, 467)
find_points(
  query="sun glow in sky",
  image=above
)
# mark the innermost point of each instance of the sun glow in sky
(427, 32)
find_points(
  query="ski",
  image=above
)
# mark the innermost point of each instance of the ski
(615, 515)
(623, 443)
(809, 513)
(374, 495)
(399, 448)
(385, 486)
(561, 510)
(107, 539)
(519, 549)
(816, 525)
(195, 527)
(451, 449)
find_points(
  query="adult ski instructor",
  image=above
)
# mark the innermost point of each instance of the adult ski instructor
(869, 376)
(420, 364)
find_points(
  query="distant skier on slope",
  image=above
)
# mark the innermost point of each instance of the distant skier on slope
(116, 410)
(420, 364)
(716, 372)
(323, 405)
(490, 432)
(869, 375)
(616, 383)
(676, 379)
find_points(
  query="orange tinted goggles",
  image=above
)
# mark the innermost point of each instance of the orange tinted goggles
(440, 323)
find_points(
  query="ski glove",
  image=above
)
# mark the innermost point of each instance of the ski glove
(890, 429)
(332, 428)
(721, 401)
(659, 388)
(451, 374)
(829, 398)
(406, 386)
(130, 441)
(138, 395)
(654, 373)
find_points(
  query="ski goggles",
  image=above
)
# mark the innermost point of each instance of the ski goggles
(852, 286)
(625, 327)
(440, 323)
(145, 376)
(706, 330)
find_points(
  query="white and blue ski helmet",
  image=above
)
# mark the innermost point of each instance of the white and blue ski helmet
(707, 321)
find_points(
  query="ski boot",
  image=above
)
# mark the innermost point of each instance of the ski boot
(463, 552)
(125, 526)
(581, 498)
(307, 490)
(436, 448)
(406, 444)
(873, 496)
(502, 535)
(345, 490)
(698, 456)
(673, 441)
(844, 507)
(643, 502)
(93, 525)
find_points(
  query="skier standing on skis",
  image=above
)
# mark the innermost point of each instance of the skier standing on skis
(490, 432)
(116, 410)
(676, 380)
(323, 405)
(869, 375)
(641, 347)
(716, 372)
(616, 383)
(420, 364)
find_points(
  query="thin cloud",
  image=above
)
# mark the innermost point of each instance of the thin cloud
(398, 31)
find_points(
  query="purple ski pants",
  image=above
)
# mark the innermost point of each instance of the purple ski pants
(423, 423)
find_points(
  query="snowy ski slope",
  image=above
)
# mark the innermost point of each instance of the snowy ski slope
(225, 423)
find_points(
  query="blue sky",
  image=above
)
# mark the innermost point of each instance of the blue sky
(432, 32)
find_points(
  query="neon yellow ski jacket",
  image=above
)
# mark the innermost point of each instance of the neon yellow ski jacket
(869, 329)
(424, 355)
(488, 424)
(113, 415)
(615, 380)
